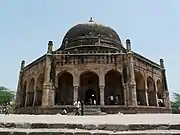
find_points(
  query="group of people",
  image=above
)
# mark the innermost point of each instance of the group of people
(113, 100)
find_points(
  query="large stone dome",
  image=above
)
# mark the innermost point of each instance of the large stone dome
(89, 30)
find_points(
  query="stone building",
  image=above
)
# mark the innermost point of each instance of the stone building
(92, 64)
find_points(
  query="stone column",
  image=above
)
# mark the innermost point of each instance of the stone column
(156, 96)
(75, 94)
(167, 100)
(19, 87)
(47, 88)
(102, 94)
(165, 86)
(34, 101)
(125, 85)
(26, 99)
(132, 84)
(101, 85)
(146, 93)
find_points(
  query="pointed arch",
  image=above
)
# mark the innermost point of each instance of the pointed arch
(159, 89)
(30, 92)
(89, 87)
(23, 94)
(151, 91)
(113, 88)
(160, 93)
(64, 92)
(140, 89)
(39, 90)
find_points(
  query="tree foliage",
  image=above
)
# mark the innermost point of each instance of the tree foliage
(176, 103)
(6, 96)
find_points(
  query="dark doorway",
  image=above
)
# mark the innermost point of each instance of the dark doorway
(90, 94)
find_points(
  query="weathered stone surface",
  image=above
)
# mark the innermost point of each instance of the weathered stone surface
(60, 125)
(46, 133)
(113, 127)
(19, 133)
(23, 125)
(174, 126)
(74, 126)
(148, 126)
(10, 125)
(68, 133)
(2, 125)
(100, 134)
(90, 127)
(4, 133)
(39, 125)
(82, 133)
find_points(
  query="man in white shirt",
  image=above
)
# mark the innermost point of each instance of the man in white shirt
(78, 106)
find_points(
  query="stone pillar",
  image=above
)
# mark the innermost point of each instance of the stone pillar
(26, 99)
(19, 86)
(101, 85)
(165, 86)
(125, 85)
(132, 84)
(102, 94)
(75, 93)
(47, 87)
(146, 93)
(34, 101)
(156, 96)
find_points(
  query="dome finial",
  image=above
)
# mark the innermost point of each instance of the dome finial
(91, 19)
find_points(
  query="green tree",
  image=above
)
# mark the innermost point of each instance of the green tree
(176, 103)
(6, 96)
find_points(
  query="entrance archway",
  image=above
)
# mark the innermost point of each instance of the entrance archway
(113, 88)
(151, 92)
(30, 93)
(160, 93)
(90, 94)
(64, 93)
(39, 90)
(140, 89)
(89, 87)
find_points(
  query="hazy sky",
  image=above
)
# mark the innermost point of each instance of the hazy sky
(26, 27)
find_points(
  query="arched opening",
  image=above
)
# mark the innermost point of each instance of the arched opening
(64, 93)
(30, 93)
(160, 93)
(90, 94)
(39, 90)
(140, 89)
(151, 92)
(23, 94)
(113, 92)
(89, 88)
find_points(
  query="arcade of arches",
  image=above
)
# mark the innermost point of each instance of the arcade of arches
(32, 92)
(147, 92)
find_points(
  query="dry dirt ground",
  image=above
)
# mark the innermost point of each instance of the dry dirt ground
(104, 119)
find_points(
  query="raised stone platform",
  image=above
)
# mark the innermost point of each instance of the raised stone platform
(108, 109)
(153, 124)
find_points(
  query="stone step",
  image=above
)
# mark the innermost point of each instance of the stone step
(16, 131)
(104, 127)
(90, 110)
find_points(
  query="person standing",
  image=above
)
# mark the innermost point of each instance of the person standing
(77, 105)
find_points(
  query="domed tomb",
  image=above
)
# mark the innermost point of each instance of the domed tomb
(89, 34)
